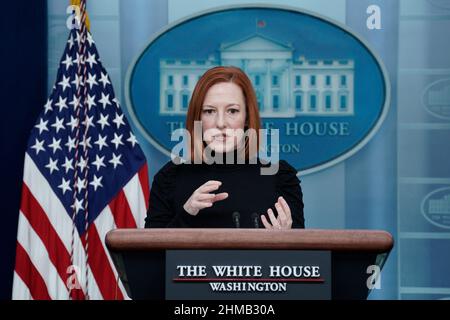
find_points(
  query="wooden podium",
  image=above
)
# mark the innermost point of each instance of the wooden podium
(139, 254)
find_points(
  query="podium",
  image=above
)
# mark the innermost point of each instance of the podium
(140, 254)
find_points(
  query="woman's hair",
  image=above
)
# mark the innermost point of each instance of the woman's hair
(214, 76)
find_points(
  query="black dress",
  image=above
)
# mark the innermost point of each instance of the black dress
(249, 192)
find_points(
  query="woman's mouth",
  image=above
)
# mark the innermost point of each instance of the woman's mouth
(220, 137)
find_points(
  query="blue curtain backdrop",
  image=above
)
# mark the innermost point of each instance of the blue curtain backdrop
(23, 93)
(371, 203)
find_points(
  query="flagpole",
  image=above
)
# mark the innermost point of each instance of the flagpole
(86, 149)
(81, 97)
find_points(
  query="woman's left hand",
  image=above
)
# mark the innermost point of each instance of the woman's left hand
(284, 219)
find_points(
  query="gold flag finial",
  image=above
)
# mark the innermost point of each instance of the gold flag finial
(77, 3)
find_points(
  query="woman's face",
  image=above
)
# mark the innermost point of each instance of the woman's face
(223, 109)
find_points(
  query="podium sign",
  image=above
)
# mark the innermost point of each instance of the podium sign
(247, 263)
(248, 275)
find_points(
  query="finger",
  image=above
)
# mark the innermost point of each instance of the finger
(212, 182)
(201, 205)
(287, 210)
(220, 196)
(205, 196)
(266, 224)
(273, 220)
(285, 205)
(282, 218)
(208, 188)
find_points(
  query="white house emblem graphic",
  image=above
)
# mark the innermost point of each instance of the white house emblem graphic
(436, 207)
(285, 86)
(319, 84)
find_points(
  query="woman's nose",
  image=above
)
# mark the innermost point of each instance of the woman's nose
(220, 120)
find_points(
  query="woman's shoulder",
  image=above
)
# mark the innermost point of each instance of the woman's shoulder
(286, 167)
(283, 173)
(282, 166)
(286, 174)
(167, 172)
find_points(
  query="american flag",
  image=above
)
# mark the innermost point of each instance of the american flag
(84, 174)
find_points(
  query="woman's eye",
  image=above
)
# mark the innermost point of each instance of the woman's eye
(233, 111)
(208, 111)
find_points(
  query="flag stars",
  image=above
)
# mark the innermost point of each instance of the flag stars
(75, 102)
(104, 100)
(92, 80)
(88, 122)
(82, 163)
(48, 106)
(79, 59)
(61, 104)
(69, 129)
(103, 120)
(73, 123)
(99, 162)
(117, 141)
(118, 120)
(86, 143)
(64, 186)
(89, 39)
(79, 39)
(70, 42)
(91, 59)
(115, 160)
(104, 79)
(77, 81)
(81, 184)
(42, 125)
(55, 145)
(82, 113)
(70, 143)
(116, 102)
(52, 165)
(97, 182)
(90, 101)
(132, 139)
(64, 83)
(101, 142)
(67, 165)
(78, 205)
(58, 125)
(67, 62)
(38, 146)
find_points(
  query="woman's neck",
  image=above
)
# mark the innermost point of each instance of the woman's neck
(225, 158)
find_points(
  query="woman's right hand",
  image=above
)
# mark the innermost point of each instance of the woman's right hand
(202, 198)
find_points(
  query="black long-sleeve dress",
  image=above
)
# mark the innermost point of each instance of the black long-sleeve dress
(249, 192)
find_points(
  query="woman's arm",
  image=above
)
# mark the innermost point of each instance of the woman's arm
(288, 187)
(161, 212)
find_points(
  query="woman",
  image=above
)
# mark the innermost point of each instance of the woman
(222, 195)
